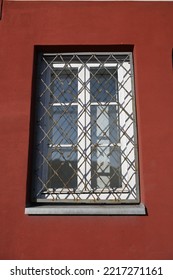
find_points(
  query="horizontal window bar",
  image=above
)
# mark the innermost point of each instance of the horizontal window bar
(64, 104)
(92, 104)
(61, 145)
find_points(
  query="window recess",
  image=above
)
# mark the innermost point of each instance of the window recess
(85, 140)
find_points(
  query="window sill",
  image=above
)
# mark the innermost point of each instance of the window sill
(87, 210)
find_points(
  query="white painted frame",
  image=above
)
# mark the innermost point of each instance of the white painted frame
(84, 122)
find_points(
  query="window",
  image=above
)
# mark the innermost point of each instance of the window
(85, 157)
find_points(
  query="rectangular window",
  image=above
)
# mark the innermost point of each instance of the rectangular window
(85, 135)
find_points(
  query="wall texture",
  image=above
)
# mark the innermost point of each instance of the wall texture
(88, 26)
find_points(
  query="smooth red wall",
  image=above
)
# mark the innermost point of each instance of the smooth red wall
(149, 28)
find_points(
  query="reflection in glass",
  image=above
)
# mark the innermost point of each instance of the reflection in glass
(64, 86)
(104, 124)
(64, 125)
(105, 167)
(62, 173)
(103, 85)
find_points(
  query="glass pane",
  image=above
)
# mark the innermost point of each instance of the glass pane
(64, 125)
(103, 84)
(104, 124)
(62, 169)
(105, 167)
(64, 86)
(106, 155)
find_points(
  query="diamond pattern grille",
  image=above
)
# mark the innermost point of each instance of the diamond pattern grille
(85, 140)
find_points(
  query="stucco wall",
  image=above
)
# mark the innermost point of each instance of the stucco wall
(82, 26)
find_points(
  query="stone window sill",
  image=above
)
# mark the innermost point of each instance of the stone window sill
(91, 210)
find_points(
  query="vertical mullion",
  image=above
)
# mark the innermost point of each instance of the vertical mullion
(87, 129)
(81, 132)
(84, 130)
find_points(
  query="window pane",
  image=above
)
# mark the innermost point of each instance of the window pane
(104, 124)
(64, 86)
(103, 85)
(62, 169)
(106, 155)
(64, 125)
(105, 166)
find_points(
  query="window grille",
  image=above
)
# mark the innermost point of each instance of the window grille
(85, 133)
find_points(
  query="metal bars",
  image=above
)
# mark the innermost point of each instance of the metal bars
(85, 142)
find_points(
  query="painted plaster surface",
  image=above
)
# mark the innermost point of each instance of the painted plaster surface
(144, 28)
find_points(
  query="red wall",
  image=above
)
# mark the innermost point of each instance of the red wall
(149, 28)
